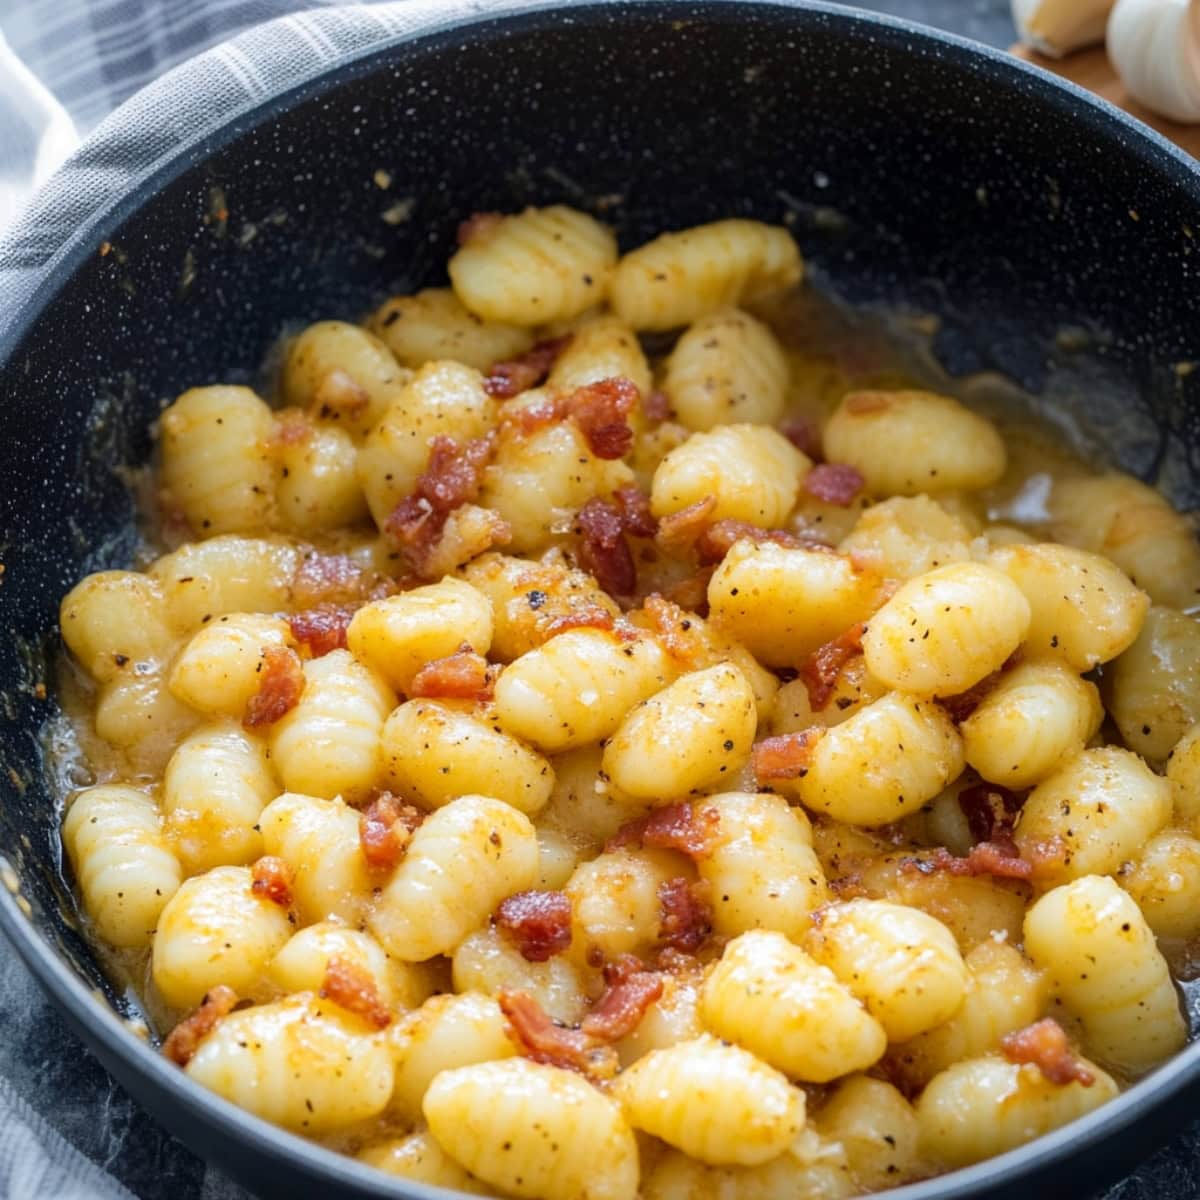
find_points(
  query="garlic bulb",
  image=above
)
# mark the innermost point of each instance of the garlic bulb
(1055, 27)
(1155, 47)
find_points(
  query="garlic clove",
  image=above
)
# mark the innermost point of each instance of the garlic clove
(1056, 27)
(1154, 45)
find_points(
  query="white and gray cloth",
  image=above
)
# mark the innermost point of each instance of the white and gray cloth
(65, 65)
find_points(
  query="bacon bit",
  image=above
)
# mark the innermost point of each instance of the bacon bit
(786, 756)
(339, 395)
(960, 707)
(452, 477)
(351, 987)
(539, 923)
(692, 829)
(834, 483)
(506, 379)
(291, 428)
(692, 593)
(686, 915)
(671, 625)
(821, 669)
(718, 539)
(803, 435)
(679, 530)
(336, 579)
(860, 404)
(603, 550)
(634, 506)
(1000, 859)
(478, 225)
(280, 684)
(656, 407)
(322, 629)
(601, 410)
(385, 827)
(587, 616)
(990, 810)
(629, 991)
(463, 675)
(272, 880)
(1045, 1045)
(542, 1040)
(184, 1040)
(529, 418)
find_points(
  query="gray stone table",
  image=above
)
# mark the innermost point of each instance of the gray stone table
(48, 1067)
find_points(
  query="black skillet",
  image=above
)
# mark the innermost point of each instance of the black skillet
(919, 171)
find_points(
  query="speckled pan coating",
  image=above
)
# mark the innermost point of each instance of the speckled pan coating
(916, 172)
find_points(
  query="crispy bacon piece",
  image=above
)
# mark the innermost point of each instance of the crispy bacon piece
(272, 880)
(629, 991)
(692, 829)
(718, 539)
(656, 407)
(834, 483)
(1001, 859)
(804, 435)
(478, 225)
(786, 756)
(990, 810)
(184, 1040)
(679, 530)
(960, 707)
(686, 920)
(603, 550)
(671, 625)
(463, 675)
(351, 987)
(634, 506)
(339, 395)
(544, 1041)
(280, 684)
(539, 923)
(821, 669)
(601, 410)
(323, 628)
(587, 616)
(385, 827)
(529, 418)
(336, 579)
(1045, 1045)
(507, 379)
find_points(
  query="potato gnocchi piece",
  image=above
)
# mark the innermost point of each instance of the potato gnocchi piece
(216, 930)
(713, 1101)
(341, 372)
(907, 536)
(984, 1106)
(460, 864)
(761, 871)
(1039, 715)
(673, 1018)
(566, 1140)
(726, 368)
(533, 267)
(854, 688)
(752, 473)
(885, 762)
(1183, 774)
(216, 459)
(316, 487)
(328, 744)
(771, 998)
(1100, 955)
(112, 621)
(900, 962)
(679, 277)
(435, 753)
(904, 443)
(1164, 880)
(1092, 815)
(398, 635)
(820, 1175)
(433, 326)
(297, 1064)
(219, 669)
(138, 715)
(877, 1128)
(783, 603)
(213, 792)
(1153, 690)
(1084, 609)
(685, 737)
(601, 347)
(577, 687)
(946, 630)
(419, 1157)
(124, 865)
(302, 963)
(319, 840)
